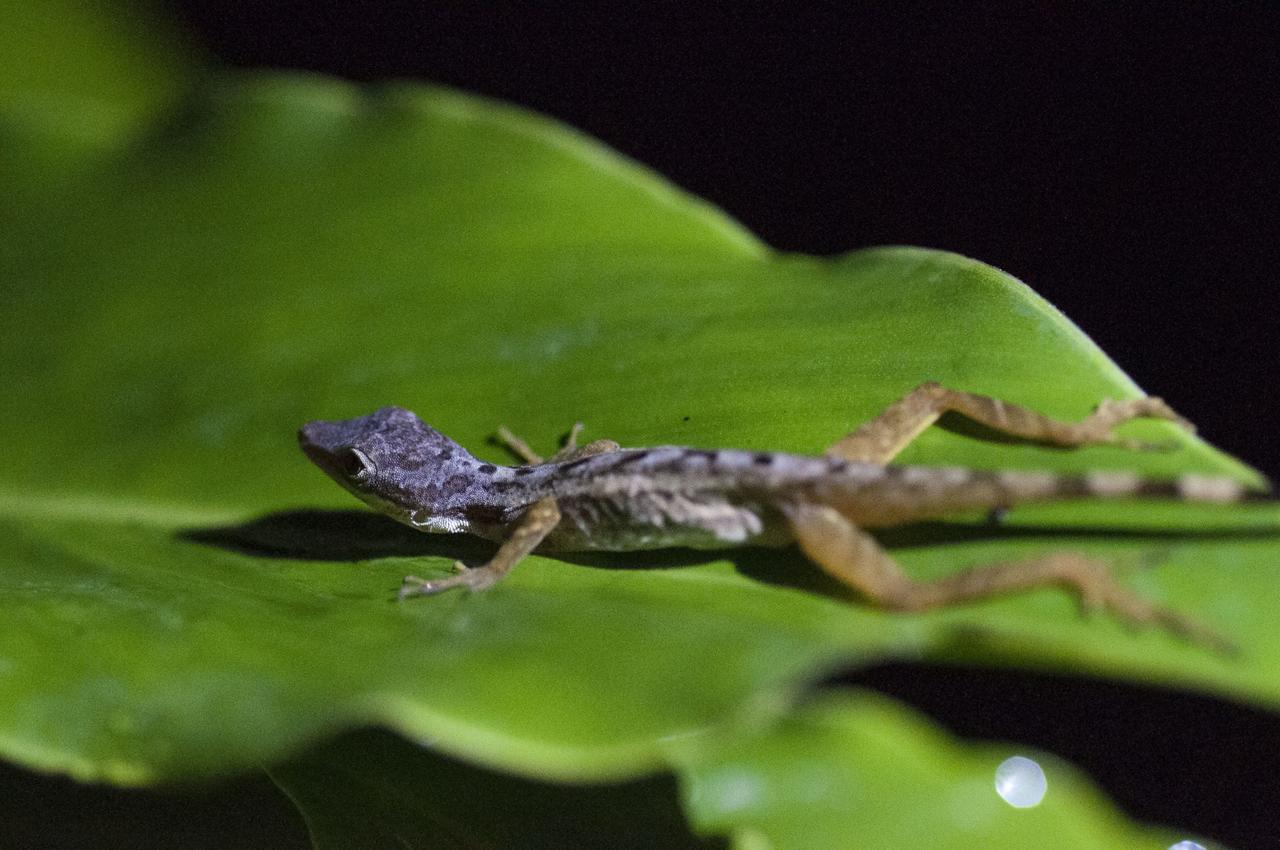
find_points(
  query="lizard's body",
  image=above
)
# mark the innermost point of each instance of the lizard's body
(605, 497)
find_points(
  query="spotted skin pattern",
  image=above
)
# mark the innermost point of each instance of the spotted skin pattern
(604, 497)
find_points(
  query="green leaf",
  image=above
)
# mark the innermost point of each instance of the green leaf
(182, 594)
(857, 771)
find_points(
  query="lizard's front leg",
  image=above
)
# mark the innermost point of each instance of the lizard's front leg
(537, 522)
(879, 440)
(853, 557)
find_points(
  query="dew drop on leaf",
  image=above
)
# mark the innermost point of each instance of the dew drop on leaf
(1020, 782)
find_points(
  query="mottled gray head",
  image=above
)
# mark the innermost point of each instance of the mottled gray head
(385, 458)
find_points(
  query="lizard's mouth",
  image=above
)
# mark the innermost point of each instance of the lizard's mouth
(315, 439)
(318, 455)
(325, 444)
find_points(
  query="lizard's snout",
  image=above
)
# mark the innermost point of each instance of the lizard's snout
(318, 439)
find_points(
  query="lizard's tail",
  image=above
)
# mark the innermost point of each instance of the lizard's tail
(1186, 488)
(908, 493)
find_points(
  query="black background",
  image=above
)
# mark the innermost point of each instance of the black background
(1122, 160)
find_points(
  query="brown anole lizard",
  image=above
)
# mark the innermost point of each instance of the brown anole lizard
(601, 496)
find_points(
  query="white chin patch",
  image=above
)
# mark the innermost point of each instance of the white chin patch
(440, 525)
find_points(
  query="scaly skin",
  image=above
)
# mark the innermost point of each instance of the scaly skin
(609, 498)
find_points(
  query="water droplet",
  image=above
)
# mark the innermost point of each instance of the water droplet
(733, 791)
(1186, 845)
(1020, 782)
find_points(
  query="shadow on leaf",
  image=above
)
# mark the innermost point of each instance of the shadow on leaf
(371, 788)
(334, 535)
(353, 535)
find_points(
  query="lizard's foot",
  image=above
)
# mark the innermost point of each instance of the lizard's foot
(1110, 413)
(516, 446)
(852, 556)
(572, 451)
(472, 579)
(569, 451)
(1100, 592)
(1140, 445)
(1147, 407)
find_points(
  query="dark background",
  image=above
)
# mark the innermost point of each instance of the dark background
(1121, 161)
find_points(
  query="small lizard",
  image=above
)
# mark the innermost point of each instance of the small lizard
(602, 496)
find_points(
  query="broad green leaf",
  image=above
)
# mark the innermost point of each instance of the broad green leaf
(857, 771)
(372, 790)
(181, 594)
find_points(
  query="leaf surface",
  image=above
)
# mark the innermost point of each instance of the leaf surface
(182, 595)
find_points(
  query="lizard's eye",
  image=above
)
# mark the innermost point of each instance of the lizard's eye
(355, 464)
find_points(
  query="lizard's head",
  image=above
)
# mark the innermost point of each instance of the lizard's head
(382, 457)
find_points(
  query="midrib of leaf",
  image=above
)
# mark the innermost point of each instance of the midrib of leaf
(113, 509)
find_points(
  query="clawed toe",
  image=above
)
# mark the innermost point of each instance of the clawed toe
(415, 586)
(472, 579)
(1142, 445)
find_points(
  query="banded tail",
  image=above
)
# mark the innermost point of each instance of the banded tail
(909, 493)
(1185, 488)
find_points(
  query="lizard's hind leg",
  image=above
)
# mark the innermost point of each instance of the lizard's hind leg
(853, 557)
(517, 446)
(881, 439)
(572, 451)
(569, 451)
